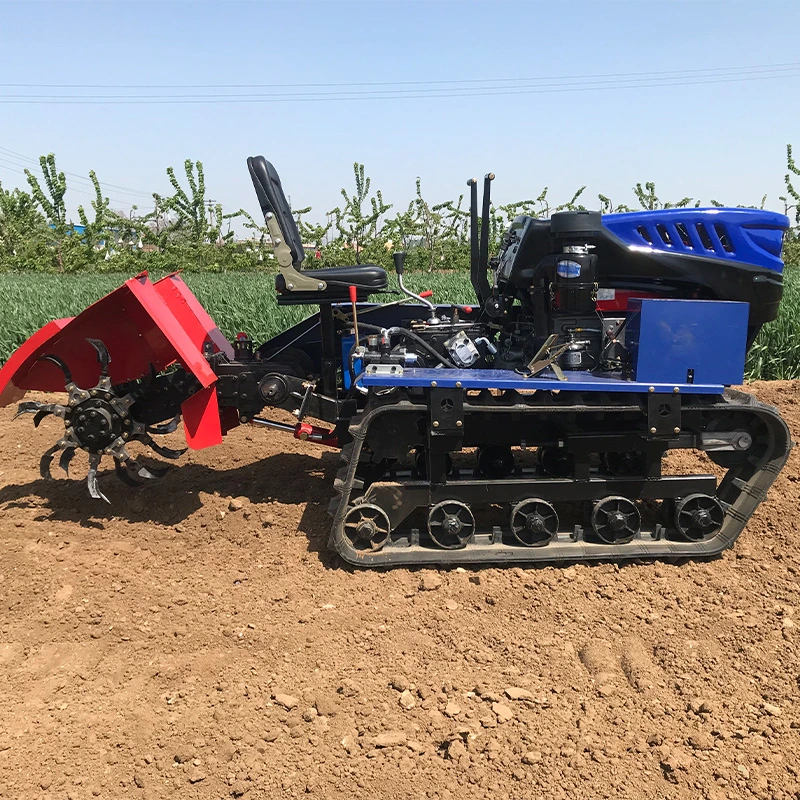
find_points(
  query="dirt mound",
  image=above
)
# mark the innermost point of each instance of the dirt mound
(195, 639)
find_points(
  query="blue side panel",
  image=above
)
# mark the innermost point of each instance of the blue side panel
(687, 340)
(744, 235)
(546, 381)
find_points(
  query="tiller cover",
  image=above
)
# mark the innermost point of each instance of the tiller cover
(146, 326)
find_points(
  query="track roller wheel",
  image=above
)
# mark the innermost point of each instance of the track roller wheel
(616, 520)
(367, 527)
(622, 464)
(371, 471)
(556, 462)
(451, 524)
(495, 461)
(534, 522)
(698, 516)
(421, 462)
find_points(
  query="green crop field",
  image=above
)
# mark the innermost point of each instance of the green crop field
(241, 301)
(238, 301)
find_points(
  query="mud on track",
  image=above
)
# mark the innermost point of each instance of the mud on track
(195, 640)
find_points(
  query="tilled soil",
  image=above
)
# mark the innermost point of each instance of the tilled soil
(194, 639)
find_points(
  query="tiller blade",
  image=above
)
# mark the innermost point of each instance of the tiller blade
(160, 338)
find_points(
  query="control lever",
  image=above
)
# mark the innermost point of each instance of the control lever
(354, 301)
(399, 260)
(547, 356)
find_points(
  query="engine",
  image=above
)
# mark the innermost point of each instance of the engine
(538, 298)
(563, 292)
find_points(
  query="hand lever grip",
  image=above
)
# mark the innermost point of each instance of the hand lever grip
(398, 259)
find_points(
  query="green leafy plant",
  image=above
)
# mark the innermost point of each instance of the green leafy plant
(52, 202)
(354, 224)
(793, 195)
(188, 231)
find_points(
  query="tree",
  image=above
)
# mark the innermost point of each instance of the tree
(21, 223)
(792, 192)
(649, 200)
(355, 226)
(309, 232)
(607, 206)
(52, 203)
(98, 233)
(436, 224)
(187, 216)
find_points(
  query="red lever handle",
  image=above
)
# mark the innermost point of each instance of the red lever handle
(353, 294)
(426, 293)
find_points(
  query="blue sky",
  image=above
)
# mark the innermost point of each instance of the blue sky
(724, 140)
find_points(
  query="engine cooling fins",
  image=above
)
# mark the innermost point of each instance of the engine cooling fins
(100, 422)
(422, 522)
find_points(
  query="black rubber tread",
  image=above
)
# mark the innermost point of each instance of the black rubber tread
(741, 490)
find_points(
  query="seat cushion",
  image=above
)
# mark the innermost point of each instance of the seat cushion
(367, 278)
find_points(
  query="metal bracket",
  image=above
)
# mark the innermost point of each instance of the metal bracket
(295, 281)
(664, 414)
(725, 441)
(547, 356)
(445, 429)
(384, 369)
(301, 412)
(447, 411)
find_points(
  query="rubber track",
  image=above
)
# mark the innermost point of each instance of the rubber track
(743, 487)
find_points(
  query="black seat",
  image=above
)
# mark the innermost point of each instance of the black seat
(367, 278)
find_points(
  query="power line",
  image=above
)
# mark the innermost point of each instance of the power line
(35, 162)
(115, 200)
(12, 166)
(406, 94)
(708, 71)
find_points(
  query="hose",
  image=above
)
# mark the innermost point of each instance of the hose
(414, 337)
(422, 343)
(395, 331)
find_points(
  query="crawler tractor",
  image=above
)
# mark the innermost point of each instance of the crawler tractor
(536, 424)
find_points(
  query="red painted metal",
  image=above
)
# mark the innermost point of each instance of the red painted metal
(141, 324)
(201, 419)
(314, 433)
(193, 318)
(16, 368)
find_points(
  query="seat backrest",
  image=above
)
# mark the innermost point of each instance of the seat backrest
(273, 201)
